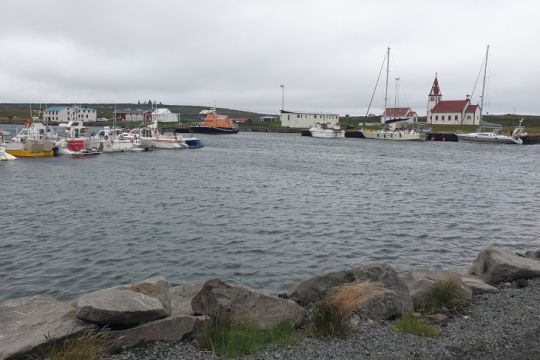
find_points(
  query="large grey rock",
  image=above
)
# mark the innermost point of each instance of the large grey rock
(25, 323)
(126, 305)
(309, 291)
(172, 328)
(497, 264)
(477, 285)
(421, 282)
(314, 289)
(181, 297)
(242, 304)
(156, 287)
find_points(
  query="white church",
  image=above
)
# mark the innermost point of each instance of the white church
(450, 112)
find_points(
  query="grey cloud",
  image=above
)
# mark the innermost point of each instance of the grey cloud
(238, 52)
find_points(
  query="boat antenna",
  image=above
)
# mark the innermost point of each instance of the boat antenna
(376, 83)
(483, 86)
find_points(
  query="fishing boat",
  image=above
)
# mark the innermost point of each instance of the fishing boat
(495, 136)
(321, 129)
(76, 140)
(34, 140)
(151, 134)
(392, 127)
(3, 154)
(111, 140)
(214, 123)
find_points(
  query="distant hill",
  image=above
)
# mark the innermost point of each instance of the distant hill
(21, 111)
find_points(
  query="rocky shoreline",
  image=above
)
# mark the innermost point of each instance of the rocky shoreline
(503, 325)
(151, 320)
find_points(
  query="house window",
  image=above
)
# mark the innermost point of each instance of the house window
(442, 117)
(436, 117)
(455, 118)
(468, 117)
(430, 117)
(297, 116)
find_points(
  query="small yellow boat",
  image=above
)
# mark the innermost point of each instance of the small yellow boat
(31, 148)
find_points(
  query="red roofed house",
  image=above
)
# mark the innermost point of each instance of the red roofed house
(450, 112)
(402, 113)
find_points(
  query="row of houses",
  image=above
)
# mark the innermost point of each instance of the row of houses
(439, 111)
(59, 113)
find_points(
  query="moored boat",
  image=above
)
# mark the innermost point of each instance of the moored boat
(214, 123)
(34, 140)
(495, 136)
(75, 142)
(322, 129)
(3, 154)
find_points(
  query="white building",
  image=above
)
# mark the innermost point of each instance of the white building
(164, 115)
(450, 112)
(401, 114)
(60, 113)
(306, 120)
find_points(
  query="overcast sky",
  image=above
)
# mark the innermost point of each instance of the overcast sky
(236, 53)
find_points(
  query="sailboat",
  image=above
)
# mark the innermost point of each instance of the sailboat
(3, 154)
(387, 134)
(495, 136)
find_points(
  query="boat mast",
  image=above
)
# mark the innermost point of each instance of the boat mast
(387, 72)
(483, 87)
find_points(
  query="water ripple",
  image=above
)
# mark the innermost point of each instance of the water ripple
(266, 210)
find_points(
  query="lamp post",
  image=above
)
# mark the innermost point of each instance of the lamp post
(282, 96)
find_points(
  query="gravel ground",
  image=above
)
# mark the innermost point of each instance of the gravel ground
(505, 326)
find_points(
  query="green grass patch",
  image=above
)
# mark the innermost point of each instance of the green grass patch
(328, 321)
(91, 345)
(230, 339)
(411, 325)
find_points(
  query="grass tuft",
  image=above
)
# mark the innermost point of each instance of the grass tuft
(350, 297)
(328, 321)
(445, 293)
(230, 339)
(90, 345)
(411, 325)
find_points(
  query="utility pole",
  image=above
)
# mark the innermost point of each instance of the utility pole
(282, 97)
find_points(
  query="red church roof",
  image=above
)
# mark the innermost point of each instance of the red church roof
(472, 108)
(450, 106)
(435, 90)
(398, 112)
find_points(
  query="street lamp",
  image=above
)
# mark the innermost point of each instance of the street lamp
(282, 97)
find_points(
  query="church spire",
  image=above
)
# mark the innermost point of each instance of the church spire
(435, 91)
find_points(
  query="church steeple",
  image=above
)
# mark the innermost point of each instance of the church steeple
(433, 98)
(435, 90)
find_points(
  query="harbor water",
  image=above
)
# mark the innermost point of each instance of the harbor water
(262, 209)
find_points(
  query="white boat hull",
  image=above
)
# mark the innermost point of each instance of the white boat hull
(168, 144)
(4, 156)
(489, 138)
(393, 135)
(113, 146)
(327, 133)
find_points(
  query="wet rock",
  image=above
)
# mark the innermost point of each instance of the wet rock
(28, 323)
(535, 255)
(126, 305)
(497, 264)
(239, 303)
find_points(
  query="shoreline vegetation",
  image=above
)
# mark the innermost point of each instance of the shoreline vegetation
(489, 311)
(17, 114)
